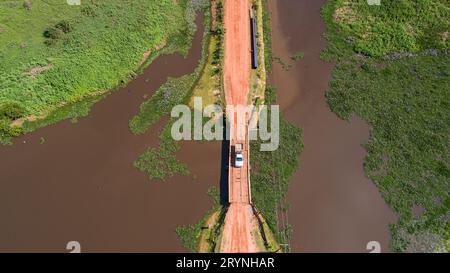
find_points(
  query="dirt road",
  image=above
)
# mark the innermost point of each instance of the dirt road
(237, 51)
(239, 221)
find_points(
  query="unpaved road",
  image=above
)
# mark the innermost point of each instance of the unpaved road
(239, 221)
(237, 51)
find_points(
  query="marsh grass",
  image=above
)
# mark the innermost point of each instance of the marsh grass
(54, 54)
(160, 163)
(405, 99)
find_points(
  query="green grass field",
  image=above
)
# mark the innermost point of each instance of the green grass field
(52, 54)
(394, 26)
(401, 86)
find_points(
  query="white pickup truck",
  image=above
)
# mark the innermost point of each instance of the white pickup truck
(239, 157)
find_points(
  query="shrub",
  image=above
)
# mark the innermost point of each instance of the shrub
(64, 26)
(11, 111)
(7, 132)
(53, 33)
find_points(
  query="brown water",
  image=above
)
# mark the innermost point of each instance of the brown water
(80, 185)
(334, 206)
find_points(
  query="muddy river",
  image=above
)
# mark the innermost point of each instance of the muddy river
(333, 205)
(80, 184)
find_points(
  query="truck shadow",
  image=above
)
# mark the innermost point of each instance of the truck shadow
(224, 165)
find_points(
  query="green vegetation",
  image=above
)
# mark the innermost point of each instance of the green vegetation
(190, 235)
(267, 37)
(402, 88)
(393, 26)
(8, 113)
(11, 111)
(265, 238)
(174, 91)
(204, 236)
(6, 131)
(258, 76)
(53, 54)
(160, 163)
(56, 32)
(271, 171)
(210, 84)
(270, 177)
(71, 111)
(218, 32)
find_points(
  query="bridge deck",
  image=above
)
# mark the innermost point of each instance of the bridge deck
(239, 189)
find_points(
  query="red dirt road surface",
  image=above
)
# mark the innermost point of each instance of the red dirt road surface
(237, 51)
(240, 220)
